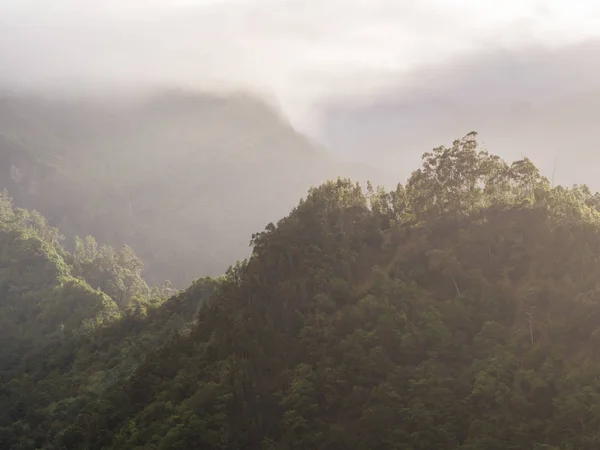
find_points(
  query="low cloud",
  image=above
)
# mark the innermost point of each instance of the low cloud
(300, 51)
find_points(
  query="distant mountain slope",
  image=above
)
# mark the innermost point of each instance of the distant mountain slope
(183, 178)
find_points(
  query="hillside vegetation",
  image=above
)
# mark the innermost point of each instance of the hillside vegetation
(458, 311)
(62, 316)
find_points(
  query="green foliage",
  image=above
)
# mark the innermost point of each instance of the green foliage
(117, 273)
(457, 312)
(38, 293)
(62, 343)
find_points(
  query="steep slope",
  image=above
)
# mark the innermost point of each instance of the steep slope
(458, 312)
(108, 169)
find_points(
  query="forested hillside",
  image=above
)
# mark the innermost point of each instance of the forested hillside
(72, 324)
(458, 311)
(182, 178)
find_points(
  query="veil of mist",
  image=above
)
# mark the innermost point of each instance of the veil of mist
(459, 310)
(182, 178)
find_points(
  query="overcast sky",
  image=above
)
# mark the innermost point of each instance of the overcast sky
(296, 50)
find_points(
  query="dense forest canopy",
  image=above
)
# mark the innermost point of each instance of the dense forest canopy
(457, 311)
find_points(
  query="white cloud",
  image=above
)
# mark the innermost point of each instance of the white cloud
(299, 50)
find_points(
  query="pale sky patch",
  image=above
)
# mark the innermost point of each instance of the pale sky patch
(297, 50)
